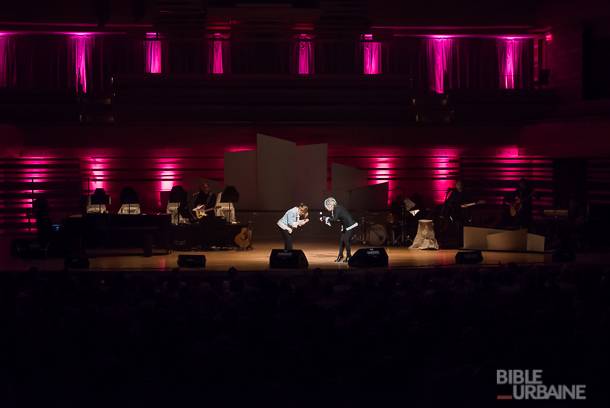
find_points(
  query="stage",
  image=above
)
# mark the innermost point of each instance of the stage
(319, 255)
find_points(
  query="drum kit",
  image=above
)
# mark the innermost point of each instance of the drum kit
(371, 233)
(393, 233)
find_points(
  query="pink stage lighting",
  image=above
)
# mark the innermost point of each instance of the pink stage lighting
(82, 48)
(371, 54)
(305, 55)
(509, 49)
(5, 56)
(217, 54)
(439, 51)
(98, 172)
(445, 165)
(154, 54)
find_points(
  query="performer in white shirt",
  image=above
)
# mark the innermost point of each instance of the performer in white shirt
(292, 219)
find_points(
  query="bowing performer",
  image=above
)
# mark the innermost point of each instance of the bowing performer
(348, 226)
(294, 218)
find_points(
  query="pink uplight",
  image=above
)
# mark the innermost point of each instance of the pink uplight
(305, 55)
(154, 54)
(98, 173)
(216, 64)
(439, 50)
(168, 172)
(548, 37)
(509, 50)
(4, 60)
(508, 152)
(82, 46)
(444, 162)
(371, 55)
(235, 149)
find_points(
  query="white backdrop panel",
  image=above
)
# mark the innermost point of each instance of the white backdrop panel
(240, 171)
(311, 175)
(277, 172)
(373, 197)
(347, 178)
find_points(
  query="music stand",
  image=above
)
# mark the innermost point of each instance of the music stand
(100, 199)
(129, 199)
(230, 195)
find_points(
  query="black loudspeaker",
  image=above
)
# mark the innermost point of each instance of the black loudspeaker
(182, 238)
(76, 262)
(28, 249)
(288, 259)
(369, 258)
(469, 257)
(191, 261)
(564, 254)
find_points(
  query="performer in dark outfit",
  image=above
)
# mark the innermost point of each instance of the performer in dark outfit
(455, 213)
(348, 226)
(205, 197)
(454, 202)
(521, 204)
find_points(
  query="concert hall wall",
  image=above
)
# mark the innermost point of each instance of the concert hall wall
(67, 161)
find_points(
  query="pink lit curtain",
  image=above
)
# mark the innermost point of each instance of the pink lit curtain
(218, 55)
(7, 62)
(305, 58)
(371, 57)
(81, 62)
(439, 52)
(217, 65)
(509, 63)
(153, 54)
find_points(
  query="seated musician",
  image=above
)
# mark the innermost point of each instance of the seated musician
(205, 196)
(520, 204)
(204, 200)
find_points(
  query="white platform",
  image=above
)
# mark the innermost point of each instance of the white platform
(495, 239)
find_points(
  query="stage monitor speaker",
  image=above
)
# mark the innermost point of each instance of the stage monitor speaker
(469, 257)
(287, 259)
(191, 261)
(76, 262)
(369, 258)
(564, 254)
(28, 249)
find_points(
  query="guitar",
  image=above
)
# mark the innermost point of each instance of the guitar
(244, 239)
(466, 205)
(515, 207)
(200, 211)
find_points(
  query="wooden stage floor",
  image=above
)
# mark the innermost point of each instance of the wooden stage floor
(319, 255)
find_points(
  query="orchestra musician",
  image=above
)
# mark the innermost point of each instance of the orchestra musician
(204, 196)
(520, 204)
(455, 203)
(455, 211)
(348, 226)
(293, 218)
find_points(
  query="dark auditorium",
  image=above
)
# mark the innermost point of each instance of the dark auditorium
(379, 203)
